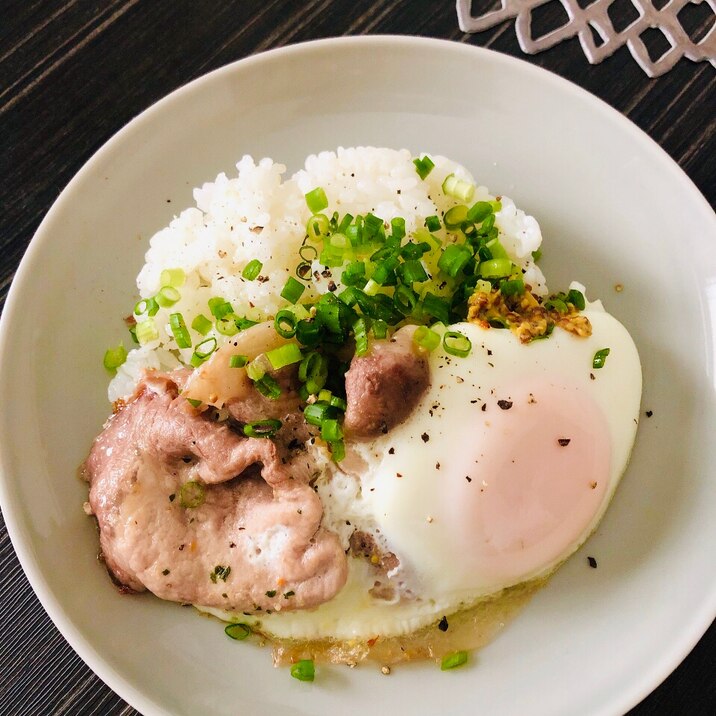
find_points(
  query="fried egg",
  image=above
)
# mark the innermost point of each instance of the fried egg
(501, 472)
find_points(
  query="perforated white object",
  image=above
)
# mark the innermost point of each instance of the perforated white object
(593, 21)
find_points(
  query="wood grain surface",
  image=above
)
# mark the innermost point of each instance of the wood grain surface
(73, 72)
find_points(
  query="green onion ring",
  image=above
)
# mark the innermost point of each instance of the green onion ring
(262, 428)
(457, 344)
(239, 632)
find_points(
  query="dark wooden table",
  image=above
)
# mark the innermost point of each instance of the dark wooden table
(73, 72)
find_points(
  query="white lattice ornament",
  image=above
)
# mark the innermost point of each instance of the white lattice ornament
(597, 16)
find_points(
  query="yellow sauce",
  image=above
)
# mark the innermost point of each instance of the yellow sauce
(469, 629)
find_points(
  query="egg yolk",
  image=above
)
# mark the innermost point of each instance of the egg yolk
(530, 480)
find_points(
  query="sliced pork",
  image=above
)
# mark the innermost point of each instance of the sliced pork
(384, 386)
(254, 542)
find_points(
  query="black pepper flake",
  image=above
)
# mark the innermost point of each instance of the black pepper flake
(592, 562)
(484, 407)
(399, 474)
(271, 593)
(564, 441)
(232, 545)
(505, 404)
(165, 572)
(649, 413)
(468, 478)
(592, 376)
(391, 451)
(172, 497)
(437, 465)
(425, 437)
(181, 547)
(489, 352)
(443, 624)
(332, 286)
(287, 595)
(384, 428)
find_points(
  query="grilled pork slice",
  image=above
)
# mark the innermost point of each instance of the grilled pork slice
(195, 512)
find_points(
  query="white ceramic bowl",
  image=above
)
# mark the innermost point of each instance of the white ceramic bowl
(614, 209)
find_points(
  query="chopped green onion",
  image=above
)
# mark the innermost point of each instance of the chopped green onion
(496, 249)
(411, 250)
(206, 348)
(600, 358)
(479, 211)
(179, 331)
(227, 325)
(453, 660)
(257, 368)
(167, 296)
(308, 253)
(371, 288)
(513, 287)
(238, 361)
(308, 332)
(331, 430)
(324, 395)
(174, 277)
(426, 339)
(453, 259)
(379, 328)
(219, 307)
(114, 357)
(557, 304)
(243, 323)
(495, 268)
(436, 307)
(313, 371)
(303, 670)
(262, 428)
(284, 355)
(146, 305)
(285, 323)
(456, 344)
(339, 403)
(317, 228)
(456, 216)
(458, 188)
(193, 402)
(405, 299)
(361, 336)
(397, 227)
(292, 290)
(412, 271)
(353, 273)
(146, 331)
(252, 269)
(344, 224)
(576, 298)
(268, 387)
(384, 273)
(191, 494)
(239, 632)
(201, 324)
(432, 223)
(317, 200)
(318, 413)
(537, 255)
(338, 450)
(423, 166)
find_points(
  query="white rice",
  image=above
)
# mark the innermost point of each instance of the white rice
(260, 215)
